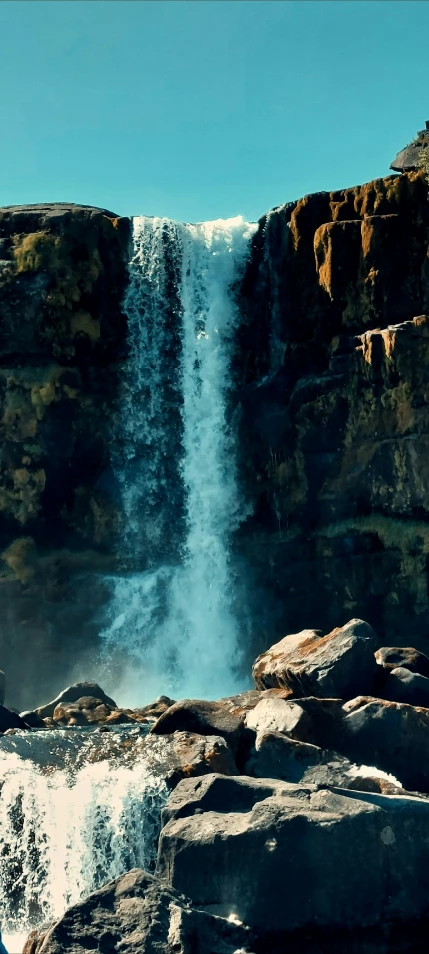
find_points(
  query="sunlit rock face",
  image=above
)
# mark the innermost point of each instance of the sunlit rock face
(334, 425)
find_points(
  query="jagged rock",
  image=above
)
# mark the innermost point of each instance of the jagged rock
(348, 855)
(72, 694)
(338, 664)
(390, 735)
(394, 657)
(404, 686)
(10, 720)
(138, 913)
(205, 718)
(185, 754)
(409, 158)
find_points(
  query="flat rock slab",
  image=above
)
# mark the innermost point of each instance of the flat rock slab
(308, 663)
(297, 858)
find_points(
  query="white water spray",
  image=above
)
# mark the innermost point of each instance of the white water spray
(64, 833)
(177, 618)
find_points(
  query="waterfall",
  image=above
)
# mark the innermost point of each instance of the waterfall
(175, 460)
(64, 833)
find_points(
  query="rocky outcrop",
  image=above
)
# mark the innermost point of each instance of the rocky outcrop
(62, 337)
(309, 663)
(334, 412)
(138, 913)
(229, 853)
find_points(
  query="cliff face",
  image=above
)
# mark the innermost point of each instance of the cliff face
(335, 410)
(62, 333)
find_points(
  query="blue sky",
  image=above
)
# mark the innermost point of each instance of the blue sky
(197, 109)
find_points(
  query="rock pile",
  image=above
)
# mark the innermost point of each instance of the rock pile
(283, 826)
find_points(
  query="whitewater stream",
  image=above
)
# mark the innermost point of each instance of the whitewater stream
(75, 810)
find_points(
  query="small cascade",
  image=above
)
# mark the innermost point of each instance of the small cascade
(64, 833)
(176, 461)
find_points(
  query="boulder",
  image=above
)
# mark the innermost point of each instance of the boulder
(72, 694)
(246, 701)
(404, 657)
(10, 720)
(33, 720)
(339, 664)
(138, 913)
(185, 755)
(275, 755)
(204, 718)
(402, 685)
(393, 736)
(349, 858)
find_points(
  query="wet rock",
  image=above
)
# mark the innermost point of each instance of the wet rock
(393, 736)
(403, 657)
(33, 720)
(205, 718)
(404, 686)
(136, 912)
(338, 664)
(88, 710)
(10, 720)
(72, 694)
(349, 855)
(185, 754)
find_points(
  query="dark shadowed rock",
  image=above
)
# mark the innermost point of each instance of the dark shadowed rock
(204, 718)
(404, 657)
(33, 720)
(72, 693)
(404, 686)
(347, 856)
(391, 735)
(137, 914)
(10, 720)
(338, 664)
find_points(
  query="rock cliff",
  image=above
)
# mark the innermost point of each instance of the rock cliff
(334, 411)
(62, 334)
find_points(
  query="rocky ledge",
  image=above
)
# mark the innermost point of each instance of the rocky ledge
(299, 821)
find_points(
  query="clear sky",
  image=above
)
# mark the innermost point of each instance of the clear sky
(199, 109)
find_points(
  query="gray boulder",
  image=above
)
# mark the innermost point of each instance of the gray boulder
(136, 914)
(393, 736)
(204, 718)
(340, 664)
(278, 715)
(404, 686)
(72, 694)
(405, 657)
(299, 858)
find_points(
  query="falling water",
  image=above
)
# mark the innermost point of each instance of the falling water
(64, 833)
(176, 461)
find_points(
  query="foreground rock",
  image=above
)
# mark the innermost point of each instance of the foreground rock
(137, 913)
(404, 686)
(227, 844)
(338, 664)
